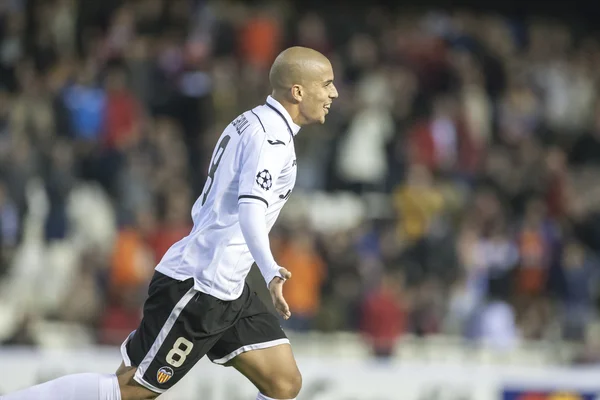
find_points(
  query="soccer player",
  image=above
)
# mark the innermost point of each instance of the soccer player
(198, 302)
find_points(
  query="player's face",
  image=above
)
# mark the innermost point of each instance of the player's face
(318, 95)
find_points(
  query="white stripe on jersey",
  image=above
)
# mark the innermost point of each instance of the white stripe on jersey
(254, 161)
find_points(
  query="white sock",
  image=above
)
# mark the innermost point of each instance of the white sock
(263, 397)
(72, 387)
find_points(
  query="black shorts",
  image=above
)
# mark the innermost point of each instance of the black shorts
(180, 325)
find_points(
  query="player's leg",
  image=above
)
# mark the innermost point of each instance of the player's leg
(72, 387)
(272, 370)
(258, 348)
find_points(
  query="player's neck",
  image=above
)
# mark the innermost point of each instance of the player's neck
(291, 108)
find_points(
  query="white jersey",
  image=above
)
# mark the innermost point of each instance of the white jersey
(253, 161)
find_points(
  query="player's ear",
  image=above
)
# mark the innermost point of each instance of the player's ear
(297, 92)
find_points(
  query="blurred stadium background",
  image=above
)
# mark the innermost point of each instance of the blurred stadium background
(444, 234)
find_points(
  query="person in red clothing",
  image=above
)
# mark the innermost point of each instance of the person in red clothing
(383, 318)
(122, 114)
(442, 142)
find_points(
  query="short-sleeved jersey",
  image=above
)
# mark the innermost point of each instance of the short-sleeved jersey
(254, 161)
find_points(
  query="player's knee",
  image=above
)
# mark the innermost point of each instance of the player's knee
(286, 386)
(296, 385)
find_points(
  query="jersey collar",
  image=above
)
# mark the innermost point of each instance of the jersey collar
(279, 109)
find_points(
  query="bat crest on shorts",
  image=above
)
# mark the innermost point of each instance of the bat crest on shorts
(164, 374)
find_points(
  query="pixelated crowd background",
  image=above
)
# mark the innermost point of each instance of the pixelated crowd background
(452, 195)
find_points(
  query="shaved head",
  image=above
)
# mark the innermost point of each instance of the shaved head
(296, 66)
(302, 81)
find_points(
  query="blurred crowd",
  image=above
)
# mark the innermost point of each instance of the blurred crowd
(481, 134)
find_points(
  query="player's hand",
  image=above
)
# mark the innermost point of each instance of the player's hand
(276, 289)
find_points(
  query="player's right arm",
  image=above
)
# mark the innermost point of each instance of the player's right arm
(261, 164)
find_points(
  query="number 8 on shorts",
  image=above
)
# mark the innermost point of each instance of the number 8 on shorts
(182, 347)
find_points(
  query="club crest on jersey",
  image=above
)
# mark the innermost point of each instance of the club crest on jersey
(164, 374)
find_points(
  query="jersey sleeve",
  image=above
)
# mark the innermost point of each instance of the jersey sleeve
(256, 234)
(262, 159)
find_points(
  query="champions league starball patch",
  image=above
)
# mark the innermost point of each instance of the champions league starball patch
(264, 180)
(164, 374)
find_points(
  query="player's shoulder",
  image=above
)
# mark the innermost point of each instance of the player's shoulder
(245, 124)
(273, 127)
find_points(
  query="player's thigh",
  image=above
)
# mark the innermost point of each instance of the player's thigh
(272, 370)
(258, 348)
